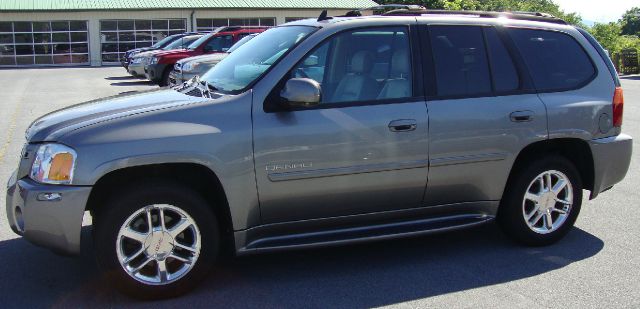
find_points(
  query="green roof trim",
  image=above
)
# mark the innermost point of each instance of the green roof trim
(94, 5)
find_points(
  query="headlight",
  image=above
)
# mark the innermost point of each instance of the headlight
(54, 164)
(136, 60)
(189, 66)
(154, 60)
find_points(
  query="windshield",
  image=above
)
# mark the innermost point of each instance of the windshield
(241, 42)
(163, 42)
(252, 59)
(199, 41)
(182, 42)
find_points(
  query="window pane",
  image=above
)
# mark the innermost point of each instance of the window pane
(142, 44)
(80, 58)
(22, 26)
(110, 48)
(42, 37)
(61, 59)
(43, 49)
(505, 76)
(60, 25)
(177, 24)
(460, 60)
(6, 50)
(79, 48)
(144, 36)
(267, 22)
(7, 60)
(80, 26)
(143, 25)
(78, 36)
(220, 22)
(108, 25)
(555, 60)
(44, 60)
(61, 48)
(28, 60)
(219, 43)
(24, 49)
(110, 58)
(60, 37)
(6, 26)
(367, 65)
(126, 37)
(6, 38)
(109, 36)
(42, 26)
(24, 37)
(160, 24)
(125, 25)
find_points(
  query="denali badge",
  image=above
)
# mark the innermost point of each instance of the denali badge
(288, 166)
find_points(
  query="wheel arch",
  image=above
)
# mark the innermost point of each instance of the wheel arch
(193, 175)
(573, 149)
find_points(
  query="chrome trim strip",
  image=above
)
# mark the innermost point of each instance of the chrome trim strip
(485, 157)
(349, 170)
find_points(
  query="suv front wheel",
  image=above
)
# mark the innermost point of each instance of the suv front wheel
(156, 241)
(542, 202)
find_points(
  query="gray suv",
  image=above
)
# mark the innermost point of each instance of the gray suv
(326, 132)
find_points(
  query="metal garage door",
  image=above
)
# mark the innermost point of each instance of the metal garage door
(41, 43)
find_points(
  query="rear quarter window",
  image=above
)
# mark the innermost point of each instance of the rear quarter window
(554, 59)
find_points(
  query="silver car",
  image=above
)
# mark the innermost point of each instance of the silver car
(326, 132)
(191, 67)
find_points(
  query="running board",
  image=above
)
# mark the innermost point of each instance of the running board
(363, 234)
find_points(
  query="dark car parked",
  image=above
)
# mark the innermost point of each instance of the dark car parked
(126, 59)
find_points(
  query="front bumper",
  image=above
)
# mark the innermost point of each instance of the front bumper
(55, 224)
(136, 69)
(177, 78)
(153, 72)
(611, 160)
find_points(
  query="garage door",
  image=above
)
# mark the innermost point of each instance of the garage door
(118, 36)
(41, 43)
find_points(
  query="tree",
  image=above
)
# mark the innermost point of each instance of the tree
(631, 22)
(607, 34)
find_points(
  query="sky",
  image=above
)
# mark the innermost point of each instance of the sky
(598, 10)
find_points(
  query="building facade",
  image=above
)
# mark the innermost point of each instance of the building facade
(98, 32)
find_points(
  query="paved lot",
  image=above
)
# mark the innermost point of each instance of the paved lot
(596, 266)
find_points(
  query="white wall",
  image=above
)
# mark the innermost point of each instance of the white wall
(94, 18)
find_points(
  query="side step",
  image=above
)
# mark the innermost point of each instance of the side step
(364, 233)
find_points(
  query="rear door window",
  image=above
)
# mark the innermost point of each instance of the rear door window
(554, 59)
(503, 69)
(460, 59)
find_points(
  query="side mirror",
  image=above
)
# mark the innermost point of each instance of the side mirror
(301, 92)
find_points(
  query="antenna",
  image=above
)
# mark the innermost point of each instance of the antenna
(323, 16)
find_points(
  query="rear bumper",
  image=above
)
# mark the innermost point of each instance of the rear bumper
(55, 225)
(611, 160)
(136, 69)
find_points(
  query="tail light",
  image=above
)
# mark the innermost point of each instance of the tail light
(618, 104)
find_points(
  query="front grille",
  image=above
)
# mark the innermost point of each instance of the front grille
(194, 92)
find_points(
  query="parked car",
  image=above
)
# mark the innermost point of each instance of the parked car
(219, 41)
(325, 132)
(126, 58)
(140, 60)
(191, 67)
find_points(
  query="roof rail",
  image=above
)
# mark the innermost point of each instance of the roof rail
(407, 7)
(532, 16)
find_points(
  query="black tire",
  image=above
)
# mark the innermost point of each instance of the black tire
(115, 212)
(510, 214)
(165, 77)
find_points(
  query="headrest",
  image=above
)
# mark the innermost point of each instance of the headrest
(400, 63)
(362, 62)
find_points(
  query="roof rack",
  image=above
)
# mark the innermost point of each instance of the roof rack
(532, 16)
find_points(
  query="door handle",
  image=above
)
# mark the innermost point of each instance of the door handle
(521, 116)
(403, 125)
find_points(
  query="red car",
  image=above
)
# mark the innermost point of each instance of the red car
(161, 63)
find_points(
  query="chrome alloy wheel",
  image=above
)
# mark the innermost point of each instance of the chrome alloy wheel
(158, 244)
(547, 202)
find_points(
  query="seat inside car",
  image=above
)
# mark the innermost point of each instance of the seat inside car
(399, 83)
(357, 85)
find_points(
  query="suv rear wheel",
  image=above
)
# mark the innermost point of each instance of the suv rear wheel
(542, 202)
(156, 241)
